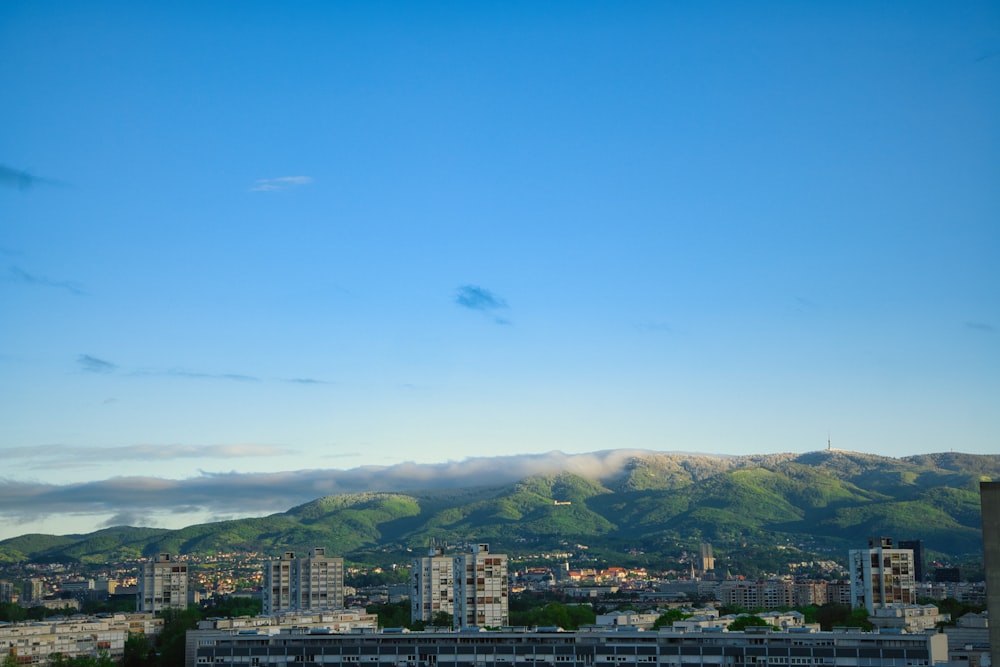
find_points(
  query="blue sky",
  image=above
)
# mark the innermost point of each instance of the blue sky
(246, 238)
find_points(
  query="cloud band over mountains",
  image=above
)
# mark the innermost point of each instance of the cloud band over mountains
(253, 494)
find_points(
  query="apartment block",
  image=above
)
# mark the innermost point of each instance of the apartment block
(480, 589)
(432, 580)
(36, 643)
(306, 583)
(162, 584)
(767, 594)
(6, 591)
(882, 576)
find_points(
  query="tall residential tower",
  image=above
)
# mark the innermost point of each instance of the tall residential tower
(480, 589)
(433, 585)
(307, 583)
(882, 576)
(163, 584)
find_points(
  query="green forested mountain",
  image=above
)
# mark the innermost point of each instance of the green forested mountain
(657, 504)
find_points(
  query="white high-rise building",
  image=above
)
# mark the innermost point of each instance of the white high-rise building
(310, 583)
(433, 585)
(480, 589)
(163, 584)
(882, 576)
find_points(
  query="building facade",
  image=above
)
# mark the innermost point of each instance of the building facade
(432, 589)
(480, 589)
(604, 648)
(705, 557)
(917, 546)
(6, 591)
(162, 584)
(33, 590)
(37, 643)
(308, 583)
(989, 501)
(882, 576)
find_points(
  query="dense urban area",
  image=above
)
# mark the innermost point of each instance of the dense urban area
(139, 612)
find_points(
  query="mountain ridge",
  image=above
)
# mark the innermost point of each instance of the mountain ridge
(654, 503)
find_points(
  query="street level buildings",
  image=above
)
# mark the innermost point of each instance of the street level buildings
(604, 648)
(303, 583)
(37, 642)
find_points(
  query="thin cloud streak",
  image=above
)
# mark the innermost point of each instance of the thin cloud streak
(22, 276)
(94, 365)
(22, 180)
(85, 455)
(235, 377)
(980, 326)
(280, 183)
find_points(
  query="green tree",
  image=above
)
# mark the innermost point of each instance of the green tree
(568, 617)
(91, 607)
(139, 651)
(831, 615)
(581, 614)
(103, 659)
(392, 614)
(234, 607)
(810, 613)
(668, 617)
(170, 641)
(442, 619)
(11, 612)
(743, 622)
(858, 618)
(953, 607)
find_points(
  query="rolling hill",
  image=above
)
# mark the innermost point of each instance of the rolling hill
(656, 504)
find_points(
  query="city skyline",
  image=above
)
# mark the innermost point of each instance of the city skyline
(251, 244)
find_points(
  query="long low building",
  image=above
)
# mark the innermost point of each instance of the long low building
(37, 642)
(301, 647)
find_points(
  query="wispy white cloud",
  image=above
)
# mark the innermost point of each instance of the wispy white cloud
(280, 183)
